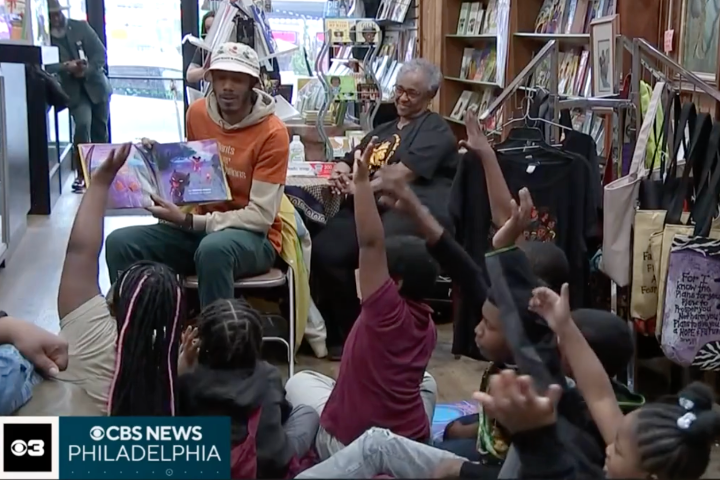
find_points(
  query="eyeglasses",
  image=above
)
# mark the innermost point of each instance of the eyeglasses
(411, 94)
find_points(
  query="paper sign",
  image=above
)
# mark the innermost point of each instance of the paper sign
(668, 42)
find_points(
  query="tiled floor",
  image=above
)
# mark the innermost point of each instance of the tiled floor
(29, 285)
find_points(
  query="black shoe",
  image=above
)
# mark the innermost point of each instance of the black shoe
(335, 353)
(275, 326)
(78, 185)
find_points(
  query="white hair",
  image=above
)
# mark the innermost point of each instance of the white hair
(429, 70)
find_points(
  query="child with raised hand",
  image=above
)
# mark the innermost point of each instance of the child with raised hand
(382, 380)
(664, 440)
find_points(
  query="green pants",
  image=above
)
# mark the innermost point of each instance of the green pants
(216, 258)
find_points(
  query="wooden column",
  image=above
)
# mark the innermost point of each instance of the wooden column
(431, 35)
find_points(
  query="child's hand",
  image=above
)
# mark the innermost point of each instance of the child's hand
(518, 222)
(394, 190)
(516, 405)
(361, 172)
(554, 308)
(476, 141)
(189, 350)
(106, 172)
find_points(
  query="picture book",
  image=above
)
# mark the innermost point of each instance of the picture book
(342, 87)
(463, 19)
(461, 105)
(339, 31)
(491, 15)
(465, 65)
(472, 26)
(182, 173)
(479, 19)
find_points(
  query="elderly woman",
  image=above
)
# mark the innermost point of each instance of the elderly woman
(421, 145)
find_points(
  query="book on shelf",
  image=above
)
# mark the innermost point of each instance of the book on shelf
(478, 100)
(490, 24)
(463, 18)
(182, 173)
(339, 30)
(475, 19)
(479, 65)
(571, 16)
(573, 73)
(394, 10)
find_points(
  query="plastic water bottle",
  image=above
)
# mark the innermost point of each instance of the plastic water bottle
(297, 150)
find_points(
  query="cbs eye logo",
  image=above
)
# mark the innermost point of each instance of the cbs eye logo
(27, 447)
(34, 448)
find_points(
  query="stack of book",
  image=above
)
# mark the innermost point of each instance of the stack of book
(571, 16)
(469, 99)
(479, 65)
(476, 19)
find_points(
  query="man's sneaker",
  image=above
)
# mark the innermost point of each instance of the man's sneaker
(78, 185)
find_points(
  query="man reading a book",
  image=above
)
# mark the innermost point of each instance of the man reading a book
(221, 242)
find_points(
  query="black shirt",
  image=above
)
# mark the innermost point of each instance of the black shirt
(426, 146)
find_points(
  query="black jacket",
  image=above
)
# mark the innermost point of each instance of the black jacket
(237, 394)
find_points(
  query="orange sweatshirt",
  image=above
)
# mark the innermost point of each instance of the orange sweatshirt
(255, 155)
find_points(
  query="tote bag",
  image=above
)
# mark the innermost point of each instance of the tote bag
(703, 143)
(657, 192)
(691, 327)
(620, 200)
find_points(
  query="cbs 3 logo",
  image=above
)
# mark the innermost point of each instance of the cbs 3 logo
(32, 448)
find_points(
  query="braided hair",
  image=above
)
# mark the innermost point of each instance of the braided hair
(230, 334)
(675, 438)
(149, 307)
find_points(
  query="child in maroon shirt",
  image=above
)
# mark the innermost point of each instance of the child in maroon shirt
(382, 380)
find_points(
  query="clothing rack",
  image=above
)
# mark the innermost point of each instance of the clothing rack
(642, 51)
(550, 49)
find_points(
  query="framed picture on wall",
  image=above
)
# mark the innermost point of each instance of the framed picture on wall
(603, 32)
(699, 25)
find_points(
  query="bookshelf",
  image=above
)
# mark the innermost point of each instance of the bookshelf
(574, 37)
(442, 43)
(472, 70)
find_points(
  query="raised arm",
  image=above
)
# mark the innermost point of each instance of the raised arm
(588, 372)
(498, 192)
(451, 257)
(372, 263)
(79, 279)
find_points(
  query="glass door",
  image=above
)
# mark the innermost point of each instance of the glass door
(145, 68)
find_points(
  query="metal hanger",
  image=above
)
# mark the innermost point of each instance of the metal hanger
(530, 133)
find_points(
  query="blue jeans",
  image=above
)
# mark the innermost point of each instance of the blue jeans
(17, 379)
(464, 447)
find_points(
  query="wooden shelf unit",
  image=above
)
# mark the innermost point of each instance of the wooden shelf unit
(443, 46)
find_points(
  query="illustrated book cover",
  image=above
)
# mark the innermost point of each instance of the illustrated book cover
(183, 173)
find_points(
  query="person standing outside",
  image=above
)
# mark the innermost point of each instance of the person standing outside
(83, 62)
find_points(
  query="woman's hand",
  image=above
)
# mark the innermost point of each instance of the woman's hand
(476, 141)
(189, 350)
(554, 308)
(515, 404)
(520, 218)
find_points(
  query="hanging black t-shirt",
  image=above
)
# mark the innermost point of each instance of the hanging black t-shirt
(565, 213)
(426, 146)
(565, 205)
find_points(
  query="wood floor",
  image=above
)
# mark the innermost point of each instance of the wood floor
(29, 285)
